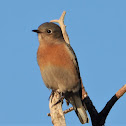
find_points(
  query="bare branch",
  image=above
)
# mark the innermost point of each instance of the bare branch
(63, 27)
(57, 115)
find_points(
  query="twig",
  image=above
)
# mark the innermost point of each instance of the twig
(63, 27)
(121, 91)
(65, 112)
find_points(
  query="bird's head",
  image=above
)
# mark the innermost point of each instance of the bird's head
(48, 32)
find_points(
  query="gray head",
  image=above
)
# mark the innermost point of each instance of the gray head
(49, 30)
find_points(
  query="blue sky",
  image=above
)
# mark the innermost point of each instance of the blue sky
(97, 32)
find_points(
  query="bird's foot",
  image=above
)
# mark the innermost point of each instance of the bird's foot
(60, 100)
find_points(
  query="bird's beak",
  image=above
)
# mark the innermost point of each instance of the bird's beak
(37, 31)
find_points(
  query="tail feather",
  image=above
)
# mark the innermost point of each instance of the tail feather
(79, 108)
(82, 115)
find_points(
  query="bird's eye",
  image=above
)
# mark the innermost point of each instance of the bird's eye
(49, 31)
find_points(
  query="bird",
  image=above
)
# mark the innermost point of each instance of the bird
(59, 66)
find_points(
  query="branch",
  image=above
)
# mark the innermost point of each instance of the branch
(57, 115)
(63, 27)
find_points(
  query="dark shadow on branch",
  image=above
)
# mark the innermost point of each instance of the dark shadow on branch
(98, 119)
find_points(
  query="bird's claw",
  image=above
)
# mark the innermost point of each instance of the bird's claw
(60, 100)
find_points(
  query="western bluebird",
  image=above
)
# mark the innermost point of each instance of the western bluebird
(59, 67)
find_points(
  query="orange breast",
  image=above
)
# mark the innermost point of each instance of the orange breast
(54, 55)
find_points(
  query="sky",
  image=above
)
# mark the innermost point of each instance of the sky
(97, 33)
